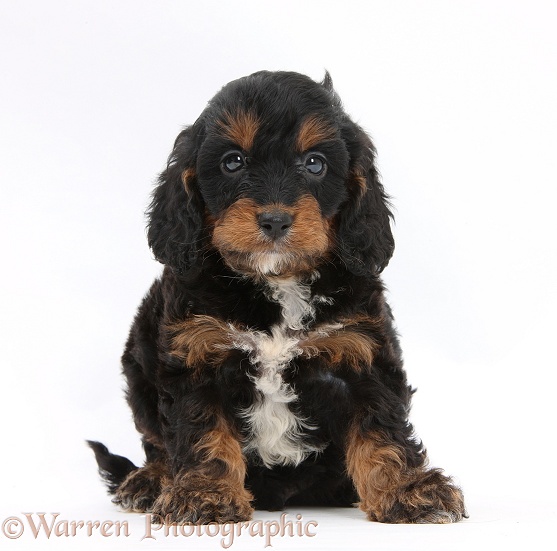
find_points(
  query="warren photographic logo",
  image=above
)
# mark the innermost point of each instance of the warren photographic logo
(51, 525)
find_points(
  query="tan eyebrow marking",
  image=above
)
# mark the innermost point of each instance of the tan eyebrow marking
(240, 128)
(313, 131)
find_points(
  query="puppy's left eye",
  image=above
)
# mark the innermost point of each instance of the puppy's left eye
(233, 162)
(315, 164)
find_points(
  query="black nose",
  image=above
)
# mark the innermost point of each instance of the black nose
(275, 224)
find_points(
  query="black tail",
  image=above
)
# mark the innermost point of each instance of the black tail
(112, 468)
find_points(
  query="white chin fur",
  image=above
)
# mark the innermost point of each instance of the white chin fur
(269, 263)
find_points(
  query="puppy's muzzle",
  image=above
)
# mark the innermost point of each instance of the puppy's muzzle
(274, 238)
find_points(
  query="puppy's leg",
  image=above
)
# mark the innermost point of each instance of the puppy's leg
(393, 490)
(208, 481)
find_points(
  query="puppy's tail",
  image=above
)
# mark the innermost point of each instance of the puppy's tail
(112, 468)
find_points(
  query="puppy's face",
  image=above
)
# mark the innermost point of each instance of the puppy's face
(271, 171)
(277, 174)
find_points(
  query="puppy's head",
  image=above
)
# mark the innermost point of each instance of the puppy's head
(277, 179)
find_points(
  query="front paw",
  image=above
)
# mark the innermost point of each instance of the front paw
(430, 499)
(141, 488)
(190, 505)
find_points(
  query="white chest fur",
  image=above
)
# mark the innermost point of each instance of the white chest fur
(276, 432)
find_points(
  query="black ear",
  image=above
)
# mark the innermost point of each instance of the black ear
(175, 215)
(365, 240)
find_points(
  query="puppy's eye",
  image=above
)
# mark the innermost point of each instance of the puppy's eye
(315, 164)
(233, 162)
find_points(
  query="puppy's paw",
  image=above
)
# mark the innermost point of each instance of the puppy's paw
(141, 488)
(431, 498)
(186, 505)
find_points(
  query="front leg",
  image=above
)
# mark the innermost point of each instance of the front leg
(395, 488)
(208, 468)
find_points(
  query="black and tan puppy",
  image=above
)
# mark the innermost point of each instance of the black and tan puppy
(263, 368)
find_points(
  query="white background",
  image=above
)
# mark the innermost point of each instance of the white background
(460, 99)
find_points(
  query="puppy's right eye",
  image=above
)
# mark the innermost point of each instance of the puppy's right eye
(233, 162)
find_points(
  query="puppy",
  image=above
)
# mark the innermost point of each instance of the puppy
(263, 368)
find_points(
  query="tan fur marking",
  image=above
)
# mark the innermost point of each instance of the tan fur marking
(390, 491)
(241, 241)
(220, 445)
(311, 232)
(237, 229)
(200, 340)
(312, 132)
(187, 176)
(344, 346)
(240, 128)
(359, 181)
(376, 469)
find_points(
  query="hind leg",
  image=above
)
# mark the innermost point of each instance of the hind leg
(142, 487)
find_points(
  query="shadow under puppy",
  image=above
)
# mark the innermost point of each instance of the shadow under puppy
(263, 368)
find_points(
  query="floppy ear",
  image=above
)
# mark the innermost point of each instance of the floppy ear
(365, 241)
(175, 215)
